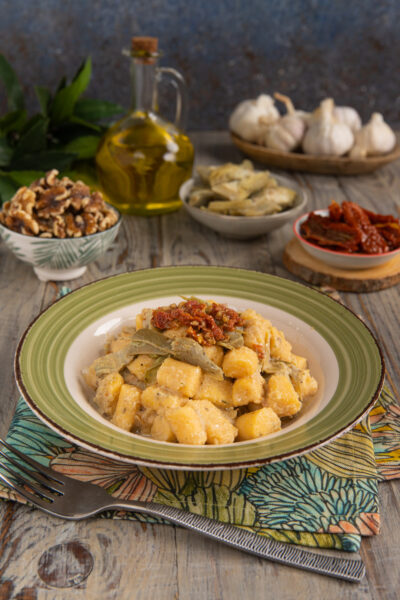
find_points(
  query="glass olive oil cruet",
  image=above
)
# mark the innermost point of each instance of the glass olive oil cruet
(143, 159)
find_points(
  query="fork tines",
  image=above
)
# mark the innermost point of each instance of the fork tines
(37, 484)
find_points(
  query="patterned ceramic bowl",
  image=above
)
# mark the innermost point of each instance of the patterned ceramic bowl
(56, 259)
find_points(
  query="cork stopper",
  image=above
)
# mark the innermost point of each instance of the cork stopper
(145, 48)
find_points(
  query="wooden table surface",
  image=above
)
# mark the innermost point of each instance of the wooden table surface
(127, 560)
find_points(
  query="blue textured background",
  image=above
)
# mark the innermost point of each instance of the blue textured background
(228, 50)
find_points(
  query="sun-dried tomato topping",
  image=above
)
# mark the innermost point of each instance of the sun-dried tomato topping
(205, 322)
(350, 228)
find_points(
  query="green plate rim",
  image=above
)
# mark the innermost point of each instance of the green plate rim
(203, 458)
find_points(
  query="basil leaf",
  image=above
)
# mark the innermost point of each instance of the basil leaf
(25, 177)
(44, 160)
(84, 147)
(6, 153)
(13, 121)
(7, 188)
(62, 84)
(65, 99)
(33, 136)
(44, 97)
(15, 95)
(83, 123)
(96, 110)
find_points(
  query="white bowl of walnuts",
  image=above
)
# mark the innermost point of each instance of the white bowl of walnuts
(58, 226)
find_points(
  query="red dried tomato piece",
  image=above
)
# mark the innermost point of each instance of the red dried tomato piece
(371, 240)
(324, 232)
(376, 218)
(391, 233)
(335, 211)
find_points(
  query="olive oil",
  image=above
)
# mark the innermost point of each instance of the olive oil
(143, 159)
(142, 162)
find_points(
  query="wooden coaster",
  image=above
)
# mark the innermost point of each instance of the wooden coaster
(303, 265)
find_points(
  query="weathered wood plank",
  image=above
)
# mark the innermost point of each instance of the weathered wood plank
(209, 570)
(97, 558)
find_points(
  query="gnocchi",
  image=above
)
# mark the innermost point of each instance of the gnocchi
(199, 373)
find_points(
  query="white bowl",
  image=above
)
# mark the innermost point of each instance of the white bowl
(55, 259)
(243, 228)
(341, 260)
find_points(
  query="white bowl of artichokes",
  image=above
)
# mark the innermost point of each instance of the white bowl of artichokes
(240, 202)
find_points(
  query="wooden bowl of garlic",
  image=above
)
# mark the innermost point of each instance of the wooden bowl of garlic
(331, 140)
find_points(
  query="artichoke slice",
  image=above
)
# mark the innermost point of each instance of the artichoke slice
(190, 351)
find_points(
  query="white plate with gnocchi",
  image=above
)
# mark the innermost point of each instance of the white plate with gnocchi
(199, 368)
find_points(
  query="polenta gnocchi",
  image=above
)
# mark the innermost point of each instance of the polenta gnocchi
(198, 373)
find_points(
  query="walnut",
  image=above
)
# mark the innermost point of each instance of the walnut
(66, 182)
(110, 218)
(51, 178)
(24, 200)
(73, 227)
(59, 228)
(45, 225)
(22, 222)
(90, 222)
(53, 201)
(93, 204)
(80, 195)
(53, 207)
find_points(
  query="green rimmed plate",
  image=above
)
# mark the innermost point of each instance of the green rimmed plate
(341, 351)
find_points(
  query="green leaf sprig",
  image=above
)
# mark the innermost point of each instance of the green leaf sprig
(67, 129)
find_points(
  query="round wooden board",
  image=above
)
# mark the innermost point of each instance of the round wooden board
(308, 268)
(323, 165)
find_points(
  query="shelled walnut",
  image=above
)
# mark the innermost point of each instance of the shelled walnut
(57, 208)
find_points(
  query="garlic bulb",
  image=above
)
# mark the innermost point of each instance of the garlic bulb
(349, 116)
(376, 137)
(245, 119)
(287, 133)
(325, 134)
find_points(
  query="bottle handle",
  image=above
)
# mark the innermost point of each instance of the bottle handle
(177, 80)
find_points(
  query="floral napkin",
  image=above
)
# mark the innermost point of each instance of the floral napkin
(326, 498)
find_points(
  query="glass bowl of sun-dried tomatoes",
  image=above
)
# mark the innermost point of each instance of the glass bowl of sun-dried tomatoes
(348, 236)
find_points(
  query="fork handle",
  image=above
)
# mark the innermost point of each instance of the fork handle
(288, 554)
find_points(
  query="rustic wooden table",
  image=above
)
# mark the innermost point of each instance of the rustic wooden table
(127, 560)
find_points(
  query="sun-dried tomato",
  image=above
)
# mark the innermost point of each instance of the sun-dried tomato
(377, 218)
(323, 232)
(371, 240)
(351, 228)
(391, 233)
(207, 323)
(335, 211)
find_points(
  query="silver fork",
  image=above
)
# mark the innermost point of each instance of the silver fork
(69, 498)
